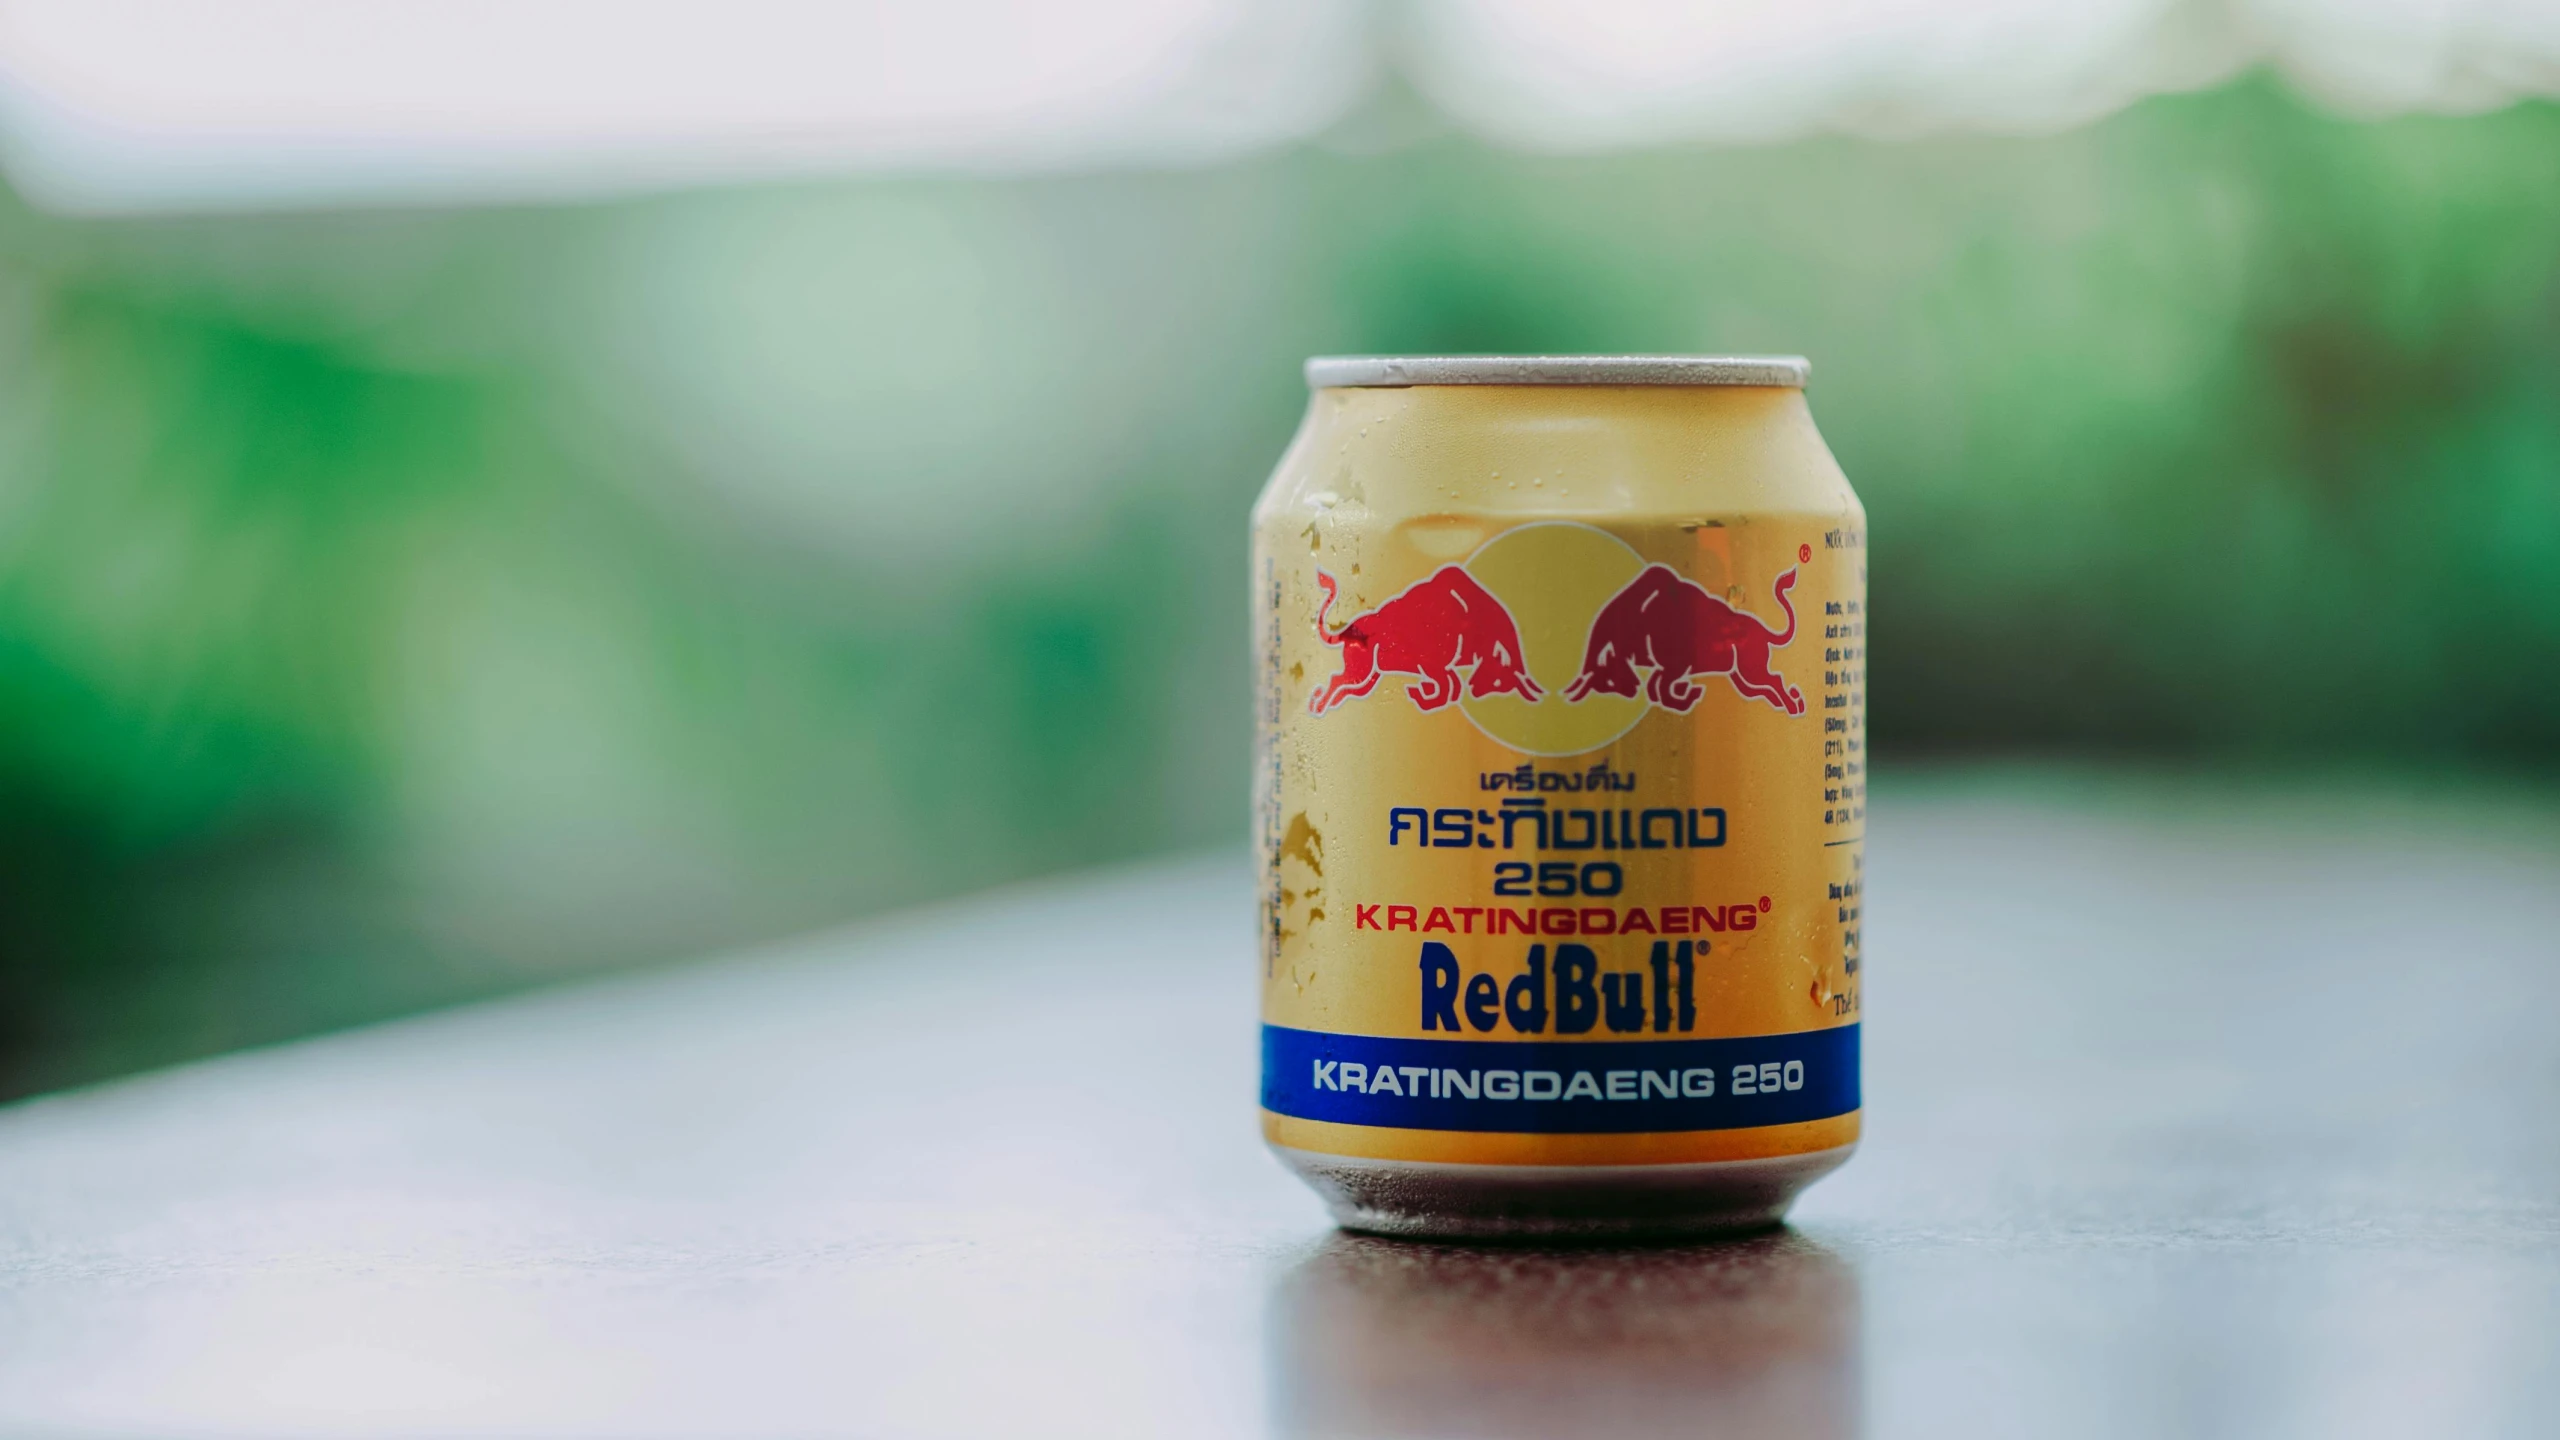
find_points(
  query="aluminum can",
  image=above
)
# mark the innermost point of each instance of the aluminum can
(1559, 794)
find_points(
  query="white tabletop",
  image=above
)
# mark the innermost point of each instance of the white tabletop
(2235, 1120)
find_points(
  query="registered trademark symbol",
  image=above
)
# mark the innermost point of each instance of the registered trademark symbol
(1764, 904)
(1804, 554)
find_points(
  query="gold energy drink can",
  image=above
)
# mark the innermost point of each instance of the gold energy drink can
(1560, 792)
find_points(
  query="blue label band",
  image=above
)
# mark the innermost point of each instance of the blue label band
(1560, 1088)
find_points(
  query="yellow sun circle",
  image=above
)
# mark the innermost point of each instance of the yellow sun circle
(1553, 577)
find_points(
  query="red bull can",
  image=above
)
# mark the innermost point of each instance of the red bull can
(1560, 794)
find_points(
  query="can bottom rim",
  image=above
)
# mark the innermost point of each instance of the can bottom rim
(1431, 1199)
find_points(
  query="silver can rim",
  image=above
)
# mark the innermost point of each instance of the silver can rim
(1343, 372)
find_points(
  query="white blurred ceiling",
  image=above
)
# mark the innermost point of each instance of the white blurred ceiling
(143, 105)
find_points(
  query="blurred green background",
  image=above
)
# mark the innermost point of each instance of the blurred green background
(402, 606)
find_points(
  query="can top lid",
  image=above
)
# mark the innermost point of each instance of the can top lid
(1329, 372)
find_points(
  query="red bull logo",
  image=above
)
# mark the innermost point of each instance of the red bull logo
(1563, 606)
(1670, 625)
(1439, 627)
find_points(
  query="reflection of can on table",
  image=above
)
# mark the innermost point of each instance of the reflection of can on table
(1749, 1337)
(1560, 788)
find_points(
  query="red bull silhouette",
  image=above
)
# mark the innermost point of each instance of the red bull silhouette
(1436, 628)
(1673, 625)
